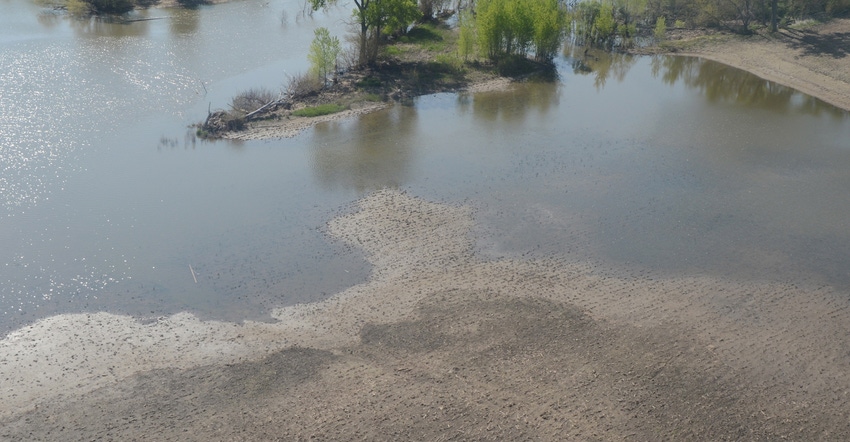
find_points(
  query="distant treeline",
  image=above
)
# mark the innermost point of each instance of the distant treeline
(537, 27)
(108, 7)
(609, 21)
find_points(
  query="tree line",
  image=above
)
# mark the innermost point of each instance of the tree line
(613, 22)
(494, 29)
(536, 28)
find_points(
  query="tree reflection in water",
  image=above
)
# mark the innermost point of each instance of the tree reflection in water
(601, 64)
(370, 153)
(720, 83)
(513, 106)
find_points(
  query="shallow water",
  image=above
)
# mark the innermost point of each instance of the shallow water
(666, 165)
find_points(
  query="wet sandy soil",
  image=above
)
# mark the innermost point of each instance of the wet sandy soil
(441, 344)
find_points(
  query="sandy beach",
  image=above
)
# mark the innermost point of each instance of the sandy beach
(442, 344)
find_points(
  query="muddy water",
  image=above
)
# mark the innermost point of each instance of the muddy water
(664, 165)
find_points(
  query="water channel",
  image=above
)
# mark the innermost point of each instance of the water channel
(662, 165)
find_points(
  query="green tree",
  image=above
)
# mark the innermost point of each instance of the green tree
(604, 26)
(549, 24)
(373, 17)
(466, 34)
(323, 55)
(390, 16)
(513, 27)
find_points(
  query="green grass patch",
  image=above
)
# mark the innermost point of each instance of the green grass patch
(422, 34)
(372, 97)
(393, 51)
(431, 37)
(696, 42)
(452, 63)
(316, 111)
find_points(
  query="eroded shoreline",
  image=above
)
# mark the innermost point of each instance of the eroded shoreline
(441, 343)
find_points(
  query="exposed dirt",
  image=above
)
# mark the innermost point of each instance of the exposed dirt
(442, 345)
(813, 60)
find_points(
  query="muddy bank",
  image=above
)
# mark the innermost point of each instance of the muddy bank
(813, 60)
(441, 344)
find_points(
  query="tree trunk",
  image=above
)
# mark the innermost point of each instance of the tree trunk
(773, 18)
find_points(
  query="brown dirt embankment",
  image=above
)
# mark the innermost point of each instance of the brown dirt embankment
(814, 60)
(441, 344)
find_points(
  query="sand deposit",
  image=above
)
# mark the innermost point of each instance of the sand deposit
(441, 344)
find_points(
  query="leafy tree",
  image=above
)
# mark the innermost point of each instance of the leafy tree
(323, 55)
(513, 27)
(604, 26)
(390, 16)
(549, 25)
(373, 17)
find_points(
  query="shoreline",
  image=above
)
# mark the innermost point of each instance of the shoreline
(809, 61)
(813, 61)
(288, 127)
(441, 343)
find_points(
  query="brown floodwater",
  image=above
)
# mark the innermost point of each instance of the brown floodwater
(645, 165)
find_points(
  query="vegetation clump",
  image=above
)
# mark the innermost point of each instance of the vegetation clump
(87, 7)
(316, 111)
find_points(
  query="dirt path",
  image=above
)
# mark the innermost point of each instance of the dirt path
(442, 345)
(815, 61)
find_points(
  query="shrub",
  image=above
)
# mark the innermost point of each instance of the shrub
(251, 100)
(660, 28)
(302, 85)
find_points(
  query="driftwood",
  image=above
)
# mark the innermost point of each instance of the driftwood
(263, 108)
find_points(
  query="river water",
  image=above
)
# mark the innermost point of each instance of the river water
(646, 165)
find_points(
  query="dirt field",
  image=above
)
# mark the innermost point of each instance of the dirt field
(442, 345)
(815, 60)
